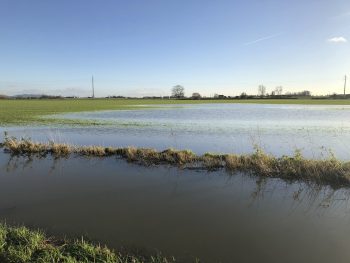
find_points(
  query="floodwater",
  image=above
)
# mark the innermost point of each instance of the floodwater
(183, 213)
(316, 130)
(188, 214)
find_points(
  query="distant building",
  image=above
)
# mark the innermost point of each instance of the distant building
(218, 96)
(196, 96)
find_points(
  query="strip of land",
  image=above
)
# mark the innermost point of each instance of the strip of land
(331, 172)
(21, 245)
(36, 111)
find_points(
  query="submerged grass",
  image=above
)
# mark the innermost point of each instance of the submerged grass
(21, 245)
(324, 171)
(35, 111)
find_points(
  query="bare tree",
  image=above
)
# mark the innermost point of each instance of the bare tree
(243, 95)
(261, 90)
(178, 91)
(278, 90)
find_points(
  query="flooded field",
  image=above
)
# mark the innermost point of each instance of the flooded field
(174, 131)
(221, 128)
(188, 214)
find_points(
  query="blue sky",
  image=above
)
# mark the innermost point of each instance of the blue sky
(138, 48)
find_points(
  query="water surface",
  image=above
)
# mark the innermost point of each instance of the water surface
(188, 214)
(221, 128)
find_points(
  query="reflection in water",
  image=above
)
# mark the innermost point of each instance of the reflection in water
(313, 197)
(184, 213)
(317, 196)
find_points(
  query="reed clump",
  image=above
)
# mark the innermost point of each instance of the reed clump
(172, 156)
(98, 151)
(59, 149)
(324, 171)
(212, 161)
(328, 171)
(153, 157)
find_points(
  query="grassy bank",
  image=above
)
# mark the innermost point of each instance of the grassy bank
(21, 245)
(26, 112)
(329, 171)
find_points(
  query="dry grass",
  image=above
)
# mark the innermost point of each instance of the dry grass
(93, 151)
(212, 161)
(326, 171)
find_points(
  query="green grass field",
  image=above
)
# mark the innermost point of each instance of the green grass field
(27, 112)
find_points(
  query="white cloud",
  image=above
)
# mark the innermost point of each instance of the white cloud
(337, 40)
(342, 15)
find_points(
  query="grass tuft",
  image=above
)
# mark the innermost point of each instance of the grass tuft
(21, 245)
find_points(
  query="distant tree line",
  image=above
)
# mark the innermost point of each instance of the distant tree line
(304, 93)
(178, 92)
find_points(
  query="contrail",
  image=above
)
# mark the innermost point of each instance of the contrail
(261, 39)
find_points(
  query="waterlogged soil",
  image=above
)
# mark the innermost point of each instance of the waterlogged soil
(316, 130)
(184, 213)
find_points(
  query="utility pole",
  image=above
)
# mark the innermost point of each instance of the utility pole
(92, 86)
(344, 86)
